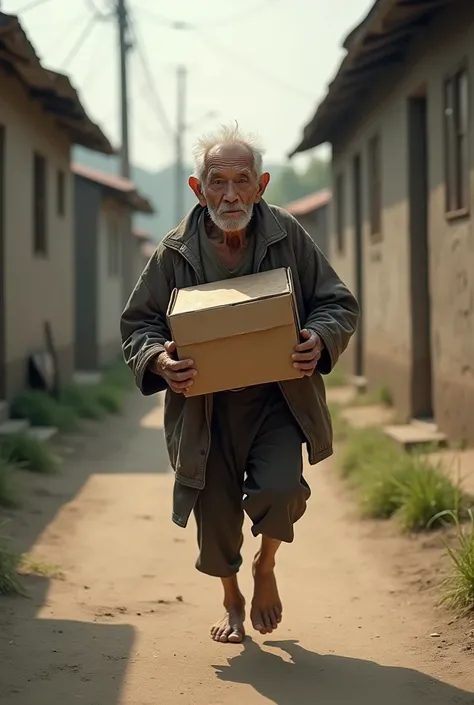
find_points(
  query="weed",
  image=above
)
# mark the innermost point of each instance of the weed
(28, 565)
(41, 409)
(389, 482)
(118, 375)
(340, 427)
(9, 581)
(426, 492)
(458, 589)
(110, 398)
(336, 378)
(29, 453)
(8, 495)
(83, 399)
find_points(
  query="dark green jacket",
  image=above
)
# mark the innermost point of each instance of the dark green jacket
(325, 305)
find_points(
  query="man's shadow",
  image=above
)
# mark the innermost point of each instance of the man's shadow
(312, 679)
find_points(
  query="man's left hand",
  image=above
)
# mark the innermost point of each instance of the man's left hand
(308, 353)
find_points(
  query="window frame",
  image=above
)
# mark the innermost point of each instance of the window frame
(374, 181)
(456, 164)
(61, 193)
(40, 205)
(340, 211)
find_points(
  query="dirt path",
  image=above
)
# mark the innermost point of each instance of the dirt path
(128, 623)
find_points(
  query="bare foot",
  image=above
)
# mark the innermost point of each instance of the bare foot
(231, 627)
(266, 612)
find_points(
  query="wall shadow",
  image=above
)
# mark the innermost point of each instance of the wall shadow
(313, 679)
(46, 661)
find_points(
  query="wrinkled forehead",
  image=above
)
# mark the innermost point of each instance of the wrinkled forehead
(224, 158)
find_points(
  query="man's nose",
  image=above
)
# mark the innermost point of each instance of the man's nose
(230, 194)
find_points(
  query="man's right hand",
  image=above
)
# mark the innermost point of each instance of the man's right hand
(179, 374)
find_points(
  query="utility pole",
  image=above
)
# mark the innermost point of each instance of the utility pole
(124, 46)
(180, 132)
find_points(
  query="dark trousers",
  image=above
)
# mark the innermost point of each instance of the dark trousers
(254, 465)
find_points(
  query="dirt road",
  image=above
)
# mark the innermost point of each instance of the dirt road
(128, 623)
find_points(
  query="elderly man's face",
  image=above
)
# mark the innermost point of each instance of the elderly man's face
(231, 187)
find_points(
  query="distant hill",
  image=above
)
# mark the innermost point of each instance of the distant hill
(158, 186)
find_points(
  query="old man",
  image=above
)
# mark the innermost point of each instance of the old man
(240, 450)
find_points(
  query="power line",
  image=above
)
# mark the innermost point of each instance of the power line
(183, 24)
(31, 6)
(242, 60)
(157, 103)
(80, 41)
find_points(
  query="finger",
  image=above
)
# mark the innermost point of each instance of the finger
(305, 333)
(304, 366)
(306, 356)
(181, 376)
(176, 365)
(170, 346)
(180, 387)
(307, 345)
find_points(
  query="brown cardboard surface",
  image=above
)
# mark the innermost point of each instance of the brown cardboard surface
(239, 332)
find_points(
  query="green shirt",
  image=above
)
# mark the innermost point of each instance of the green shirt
(213, 267)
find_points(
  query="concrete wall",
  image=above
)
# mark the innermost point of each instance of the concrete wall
(88, 201)
(390, 341)
(316, 224)
(37, 288)
(110, 287)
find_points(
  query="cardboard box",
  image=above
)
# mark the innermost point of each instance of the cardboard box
(239, 332)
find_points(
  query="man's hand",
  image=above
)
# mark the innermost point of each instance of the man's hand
(178, 374)
(308, 353)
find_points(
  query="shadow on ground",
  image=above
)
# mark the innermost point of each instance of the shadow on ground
(49, 661)
(46, 661)
(312, 679)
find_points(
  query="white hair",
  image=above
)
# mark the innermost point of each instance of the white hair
(226, 134)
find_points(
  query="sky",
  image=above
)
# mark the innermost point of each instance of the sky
(264, 63)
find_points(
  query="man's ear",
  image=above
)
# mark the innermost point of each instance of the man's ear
(263, 182)
(195, 185)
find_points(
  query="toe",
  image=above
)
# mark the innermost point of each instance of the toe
(236, 637)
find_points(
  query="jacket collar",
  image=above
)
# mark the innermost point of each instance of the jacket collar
(185, 237)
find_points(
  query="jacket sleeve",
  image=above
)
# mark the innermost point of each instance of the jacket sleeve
(331, 310)
(143, 326)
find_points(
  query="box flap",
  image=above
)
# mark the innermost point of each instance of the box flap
(255, 307)
(230, 292)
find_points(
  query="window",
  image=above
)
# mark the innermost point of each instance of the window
(40, 243)
(61, 193)
(456, 127)
(113, 248)
(340, 213)
(375, 189)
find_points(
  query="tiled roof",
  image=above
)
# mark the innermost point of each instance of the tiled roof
(117, 185)
(310, 203)
(52, 90)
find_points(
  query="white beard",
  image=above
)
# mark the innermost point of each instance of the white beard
(231, 224)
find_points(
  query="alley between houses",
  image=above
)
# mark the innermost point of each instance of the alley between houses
(125, 618)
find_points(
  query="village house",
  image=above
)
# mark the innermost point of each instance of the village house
(144, 249)
(108, 261)
(312, 214)
(399, 117)
(41, 117)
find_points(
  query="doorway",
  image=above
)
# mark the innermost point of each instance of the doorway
(2, 265)
(420, 299)
(359, 264)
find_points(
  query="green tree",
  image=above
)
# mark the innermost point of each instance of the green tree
(291, 185)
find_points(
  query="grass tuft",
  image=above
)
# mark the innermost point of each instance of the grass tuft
(8, 494)
(27, 565)
(458, 589)
(390, 483)
(29, 453)
(9, 581)
(83, 399)
(110, 398)
(118, 375)
(41, 409)
(336, 378)
(340, 427)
